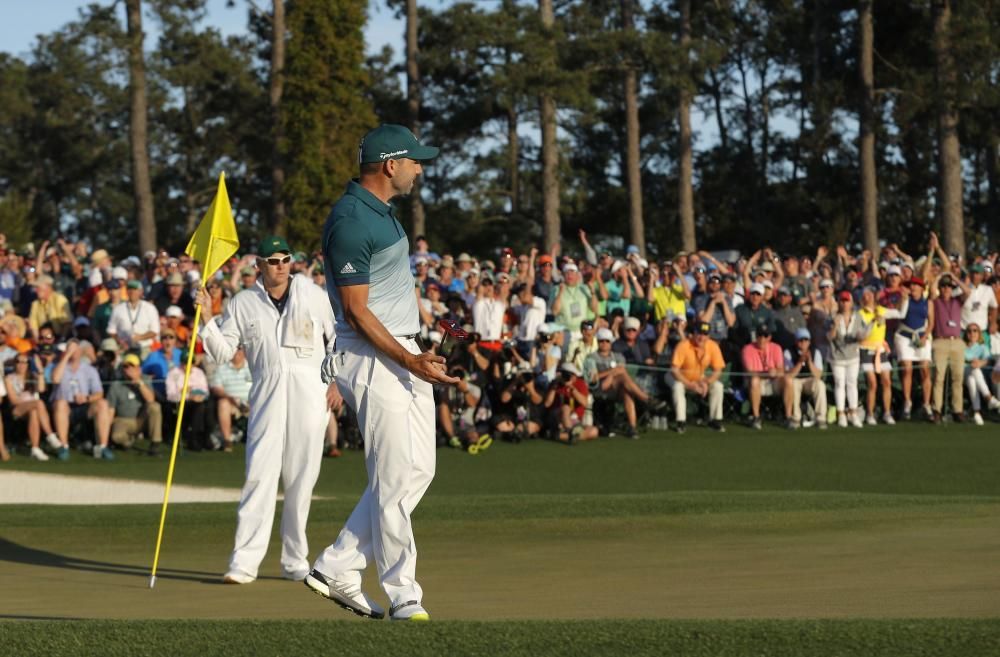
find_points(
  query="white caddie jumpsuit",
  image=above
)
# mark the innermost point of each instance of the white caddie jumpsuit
(288, 416)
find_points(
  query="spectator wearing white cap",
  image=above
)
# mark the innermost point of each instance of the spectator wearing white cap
(135, 323)
(804, 375)
(567, 400)
(635, 350)
(487, 314)
(752, 315)
(575, 301)
(619, 288)
(174, 318)
(551, 340)
(979, 306)
(605, 373)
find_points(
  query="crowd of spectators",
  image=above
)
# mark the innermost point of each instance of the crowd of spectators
(562, 347)
(573, 348)
(94, 351)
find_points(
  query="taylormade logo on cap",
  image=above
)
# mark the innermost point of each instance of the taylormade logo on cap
(390, 142)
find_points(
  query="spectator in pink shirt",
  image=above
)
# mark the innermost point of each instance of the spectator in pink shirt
(764, 364)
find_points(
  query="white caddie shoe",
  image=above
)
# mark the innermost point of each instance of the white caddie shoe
(294, 575)
(236, 577)
(348, 596)
(409, 611)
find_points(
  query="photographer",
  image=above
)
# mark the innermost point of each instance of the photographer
(550, 350)
(566, 401)
(459, 413)
(519, 408)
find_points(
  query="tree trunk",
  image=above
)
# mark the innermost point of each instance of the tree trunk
(720, 120)
(276, 89)
(949, 158)
(138, 129)
(685, 193)
(413, 108)
(513, 159)
(551, 228)
(869, 190)
(633, 174)
(993, 180)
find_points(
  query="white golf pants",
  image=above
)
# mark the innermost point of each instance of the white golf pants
(715, 392)
(845, 384)
(284, 440)
(395, 412)
(976, 384)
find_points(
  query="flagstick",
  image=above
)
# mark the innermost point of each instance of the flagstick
(173, 449)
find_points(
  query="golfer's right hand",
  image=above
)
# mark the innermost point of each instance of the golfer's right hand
(430, 367)
(328, 372)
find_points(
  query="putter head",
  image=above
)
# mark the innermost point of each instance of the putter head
(452, 334)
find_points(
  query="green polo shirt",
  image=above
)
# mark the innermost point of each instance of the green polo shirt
(364, 244)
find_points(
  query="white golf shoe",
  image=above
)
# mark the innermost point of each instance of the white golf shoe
(236, 577)
(409, 611)
(348, 596)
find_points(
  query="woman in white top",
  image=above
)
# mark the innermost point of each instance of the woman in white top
(24, 385)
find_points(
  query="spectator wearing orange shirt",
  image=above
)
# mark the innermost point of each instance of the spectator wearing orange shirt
(692, 358)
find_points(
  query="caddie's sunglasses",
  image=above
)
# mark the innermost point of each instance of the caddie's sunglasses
(275, 261)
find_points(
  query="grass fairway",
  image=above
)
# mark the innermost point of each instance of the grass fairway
(898, 638)
(700, 544)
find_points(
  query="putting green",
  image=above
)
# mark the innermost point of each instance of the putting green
(932, 560)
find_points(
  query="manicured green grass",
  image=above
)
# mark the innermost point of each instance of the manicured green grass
(749, 535)
(890, 638)
(910, 458)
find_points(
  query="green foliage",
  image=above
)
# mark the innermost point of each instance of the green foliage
(325, 109)
(15, 220)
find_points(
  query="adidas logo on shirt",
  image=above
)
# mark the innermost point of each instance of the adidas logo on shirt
(348, 269)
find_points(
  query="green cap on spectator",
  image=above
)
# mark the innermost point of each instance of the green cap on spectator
(273, 244)
(134, 285)
(393, 142)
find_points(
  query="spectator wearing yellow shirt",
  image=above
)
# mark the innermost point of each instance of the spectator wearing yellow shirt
(668, 294)
(48, 306)
(875, 361)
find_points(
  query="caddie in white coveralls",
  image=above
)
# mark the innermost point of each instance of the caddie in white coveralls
(383, 375)
(281, 322)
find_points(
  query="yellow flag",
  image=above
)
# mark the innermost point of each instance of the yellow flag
(215, 240)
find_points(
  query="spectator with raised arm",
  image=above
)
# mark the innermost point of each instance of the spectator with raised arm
(948, 349)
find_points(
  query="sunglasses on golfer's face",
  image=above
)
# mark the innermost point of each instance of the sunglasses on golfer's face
(274, 261)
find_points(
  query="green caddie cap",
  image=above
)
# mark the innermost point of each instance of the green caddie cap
(273, 244)
(393, 142)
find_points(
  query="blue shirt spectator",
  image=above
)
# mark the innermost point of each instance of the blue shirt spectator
(158, 364)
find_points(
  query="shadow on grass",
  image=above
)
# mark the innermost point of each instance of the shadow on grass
(23, 554)
(20, 617)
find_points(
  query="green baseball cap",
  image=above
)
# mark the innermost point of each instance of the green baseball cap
(273, 244)
(393, 142)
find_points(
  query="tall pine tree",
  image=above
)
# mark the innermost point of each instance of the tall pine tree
(325, 110)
